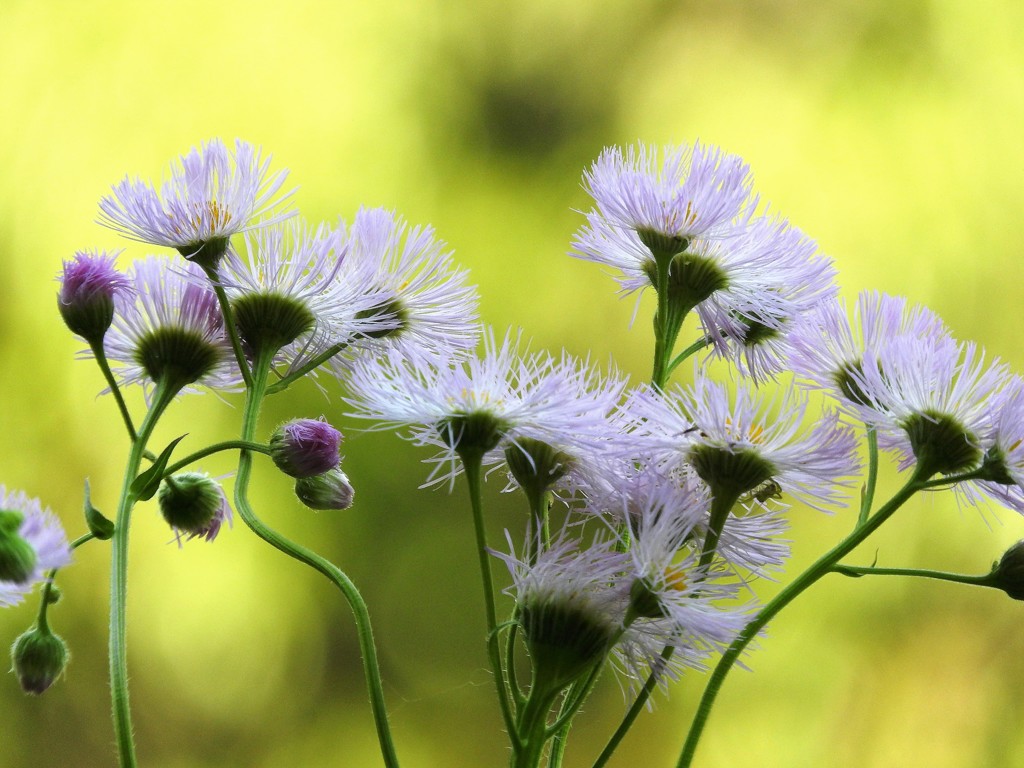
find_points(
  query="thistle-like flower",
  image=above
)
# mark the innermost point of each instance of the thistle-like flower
(32, 542)
(828, 350)
(569, 605)
(749, 321)
(418, 300)
(213, 193)
(480, 404)
(743, 443)
(290, 295)
(171, 329)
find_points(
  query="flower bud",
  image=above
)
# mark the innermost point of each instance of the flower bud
(86, 298)
(305, 447)
(1008, 573)
(39, 658)
(194, 504)
(330, 490)
(17, 556)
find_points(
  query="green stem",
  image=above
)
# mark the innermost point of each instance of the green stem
(667, 321)
(867, 498)
(226, 445)
(531, 728)
(472, 462)
(697, 346)
(101, 359)
(298, 373)
(634, 711)
(819, 568)
(162, 397)
(982, 580)
(229, 324)
(371, 669)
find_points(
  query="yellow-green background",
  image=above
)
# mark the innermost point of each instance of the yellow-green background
(889, 130)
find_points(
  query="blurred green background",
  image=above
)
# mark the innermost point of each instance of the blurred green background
(888, 130)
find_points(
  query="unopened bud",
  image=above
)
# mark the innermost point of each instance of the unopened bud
(305, 447)
(330, 490)
(39, 658)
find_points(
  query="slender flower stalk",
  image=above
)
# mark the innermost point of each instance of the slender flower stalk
(367, 647)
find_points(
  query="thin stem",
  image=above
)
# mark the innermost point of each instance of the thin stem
(531, 728)
(472, 463)
(101, 360)
(982, 580)
(226, 445)
(371, 669)
(867, 498)
(298, 373)
(52, 574)
(634, 710)
(818, 569)
(697, 346)
(162, 397)
(229, 324)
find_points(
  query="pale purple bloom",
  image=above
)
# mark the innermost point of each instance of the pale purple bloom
(673, 600)
(1004, 448)
(692, 196)
(750, 319)
(43, 532)
(689, 426)
(300, 273)
(213, 193)
(828, 350)
(908, 384)
(171, 326)
(677, 192)
(420, 301)
(560, 403)
(305, 447)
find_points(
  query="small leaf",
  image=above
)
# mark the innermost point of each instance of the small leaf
(99, 526)
(146, 484)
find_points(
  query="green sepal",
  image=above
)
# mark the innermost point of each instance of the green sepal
(99, 526)
(145, 485)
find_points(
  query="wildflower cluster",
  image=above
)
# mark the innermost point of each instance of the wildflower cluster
(650, 507)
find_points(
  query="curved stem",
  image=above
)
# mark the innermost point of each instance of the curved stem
(531, 728)
(371, 669)
(472, 462)
(982, 580)
(226, 445)
(818, 569)
(298, 373)
(229, 324)
(162, 397)
(701, 343)
(101, 360)
(867, 497)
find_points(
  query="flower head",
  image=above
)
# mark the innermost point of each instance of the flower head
(32, 542)
(89, 284)
(213, 193)
(740, 443)
(478, 404)
(418, 300)
(290, 295)
(171, 328)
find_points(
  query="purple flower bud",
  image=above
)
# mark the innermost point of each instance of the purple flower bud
(86, 299)
(305, 447)
(194, 505)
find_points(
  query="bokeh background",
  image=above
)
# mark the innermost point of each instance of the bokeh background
(889, 130)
